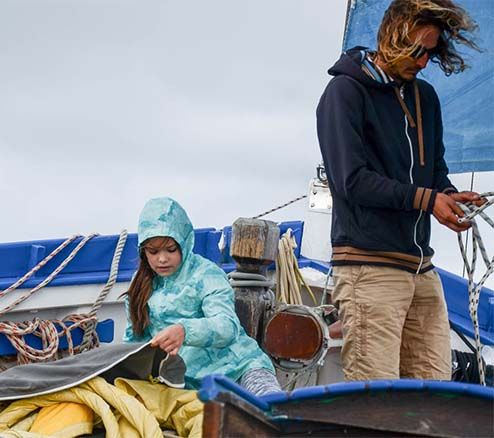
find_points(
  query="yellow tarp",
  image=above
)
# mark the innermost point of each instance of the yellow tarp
(129, 408)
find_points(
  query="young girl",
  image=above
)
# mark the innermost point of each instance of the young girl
(185, 305)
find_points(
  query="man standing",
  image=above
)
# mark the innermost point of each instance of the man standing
(380, 133)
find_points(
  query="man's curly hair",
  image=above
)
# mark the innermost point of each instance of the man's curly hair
(403, 16)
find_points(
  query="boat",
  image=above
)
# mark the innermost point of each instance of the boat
(83, 278)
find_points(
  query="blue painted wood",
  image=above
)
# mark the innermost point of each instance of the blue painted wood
(91, 265)
(456, 294)
(212, 386)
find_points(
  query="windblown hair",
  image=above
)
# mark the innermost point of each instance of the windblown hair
(140, 291)
(403, 16)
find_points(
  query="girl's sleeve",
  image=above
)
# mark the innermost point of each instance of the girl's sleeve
(220, 325)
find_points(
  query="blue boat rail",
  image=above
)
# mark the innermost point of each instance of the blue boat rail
(362, 408)
(215, 384)
(92, 265)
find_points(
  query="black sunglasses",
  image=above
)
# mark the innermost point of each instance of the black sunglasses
(420, 51)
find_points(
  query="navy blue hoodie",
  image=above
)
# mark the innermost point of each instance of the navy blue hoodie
(383, 192)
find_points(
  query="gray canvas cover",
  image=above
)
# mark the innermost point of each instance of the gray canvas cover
(129, 360)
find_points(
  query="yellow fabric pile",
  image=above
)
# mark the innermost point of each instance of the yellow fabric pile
(129, 408)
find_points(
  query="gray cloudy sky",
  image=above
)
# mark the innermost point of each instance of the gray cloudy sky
(106, 103)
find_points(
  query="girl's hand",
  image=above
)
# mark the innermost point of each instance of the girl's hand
(170, 339)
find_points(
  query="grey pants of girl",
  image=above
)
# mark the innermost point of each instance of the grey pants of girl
(259, 381)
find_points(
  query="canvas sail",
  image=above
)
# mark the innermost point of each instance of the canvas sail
(467, 98)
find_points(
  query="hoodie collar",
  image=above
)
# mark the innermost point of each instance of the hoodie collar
(371, 69)
(357, 64)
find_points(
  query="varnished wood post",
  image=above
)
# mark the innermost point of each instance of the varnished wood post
(254, 246)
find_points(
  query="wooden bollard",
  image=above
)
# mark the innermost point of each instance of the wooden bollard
(254, 246)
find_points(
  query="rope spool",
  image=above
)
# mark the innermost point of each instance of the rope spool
(296, 336)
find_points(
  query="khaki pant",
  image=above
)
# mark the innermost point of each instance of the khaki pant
(395, 324)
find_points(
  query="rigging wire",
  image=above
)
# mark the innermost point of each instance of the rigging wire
(279, 207)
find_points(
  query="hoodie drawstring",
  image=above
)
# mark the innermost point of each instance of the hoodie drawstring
(420, 131)
(411, 121)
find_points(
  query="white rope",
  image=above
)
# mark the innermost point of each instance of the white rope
(91, 328)
(471, 211)
(288, 276)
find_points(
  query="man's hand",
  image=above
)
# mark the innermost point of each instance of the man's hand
(447, 212)
(465, 197)
(170, 339)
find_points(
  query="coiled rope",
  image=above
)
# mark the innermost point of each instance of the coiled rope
(471, 211)
(248, 279)
(46, 330)
(289, 279)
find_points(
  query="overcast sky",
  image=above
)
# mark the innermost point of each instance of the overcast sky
(106, 103)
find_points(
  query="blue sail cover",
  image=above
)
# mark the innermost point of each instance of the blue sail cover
(467, 98)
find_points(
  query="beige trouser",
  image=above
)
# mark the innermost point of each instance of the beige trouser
(395, 324)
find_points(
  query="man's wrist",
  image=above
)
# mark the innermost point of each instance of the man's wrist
(424, 199)
(450, 190)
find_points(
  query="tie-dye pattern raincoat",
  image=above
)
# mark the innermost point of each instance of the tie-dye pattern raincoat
(199, 297)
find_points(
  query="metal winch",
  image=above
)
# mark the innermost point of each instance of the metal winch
(295, 336)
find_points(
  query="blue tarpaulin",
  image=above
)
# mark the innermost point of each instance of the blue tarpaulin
(467, 98)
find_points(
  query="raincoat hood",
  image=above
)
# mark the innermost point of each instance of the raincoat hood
(165, 217)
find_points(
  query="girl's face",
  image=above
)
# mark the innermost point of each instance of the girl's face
(163, 255)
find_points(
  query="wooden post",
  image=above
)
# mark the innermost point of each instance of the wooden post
(254, 246)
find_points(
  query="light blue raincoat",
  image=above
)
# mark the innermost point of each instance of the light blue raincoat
(199, 297)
